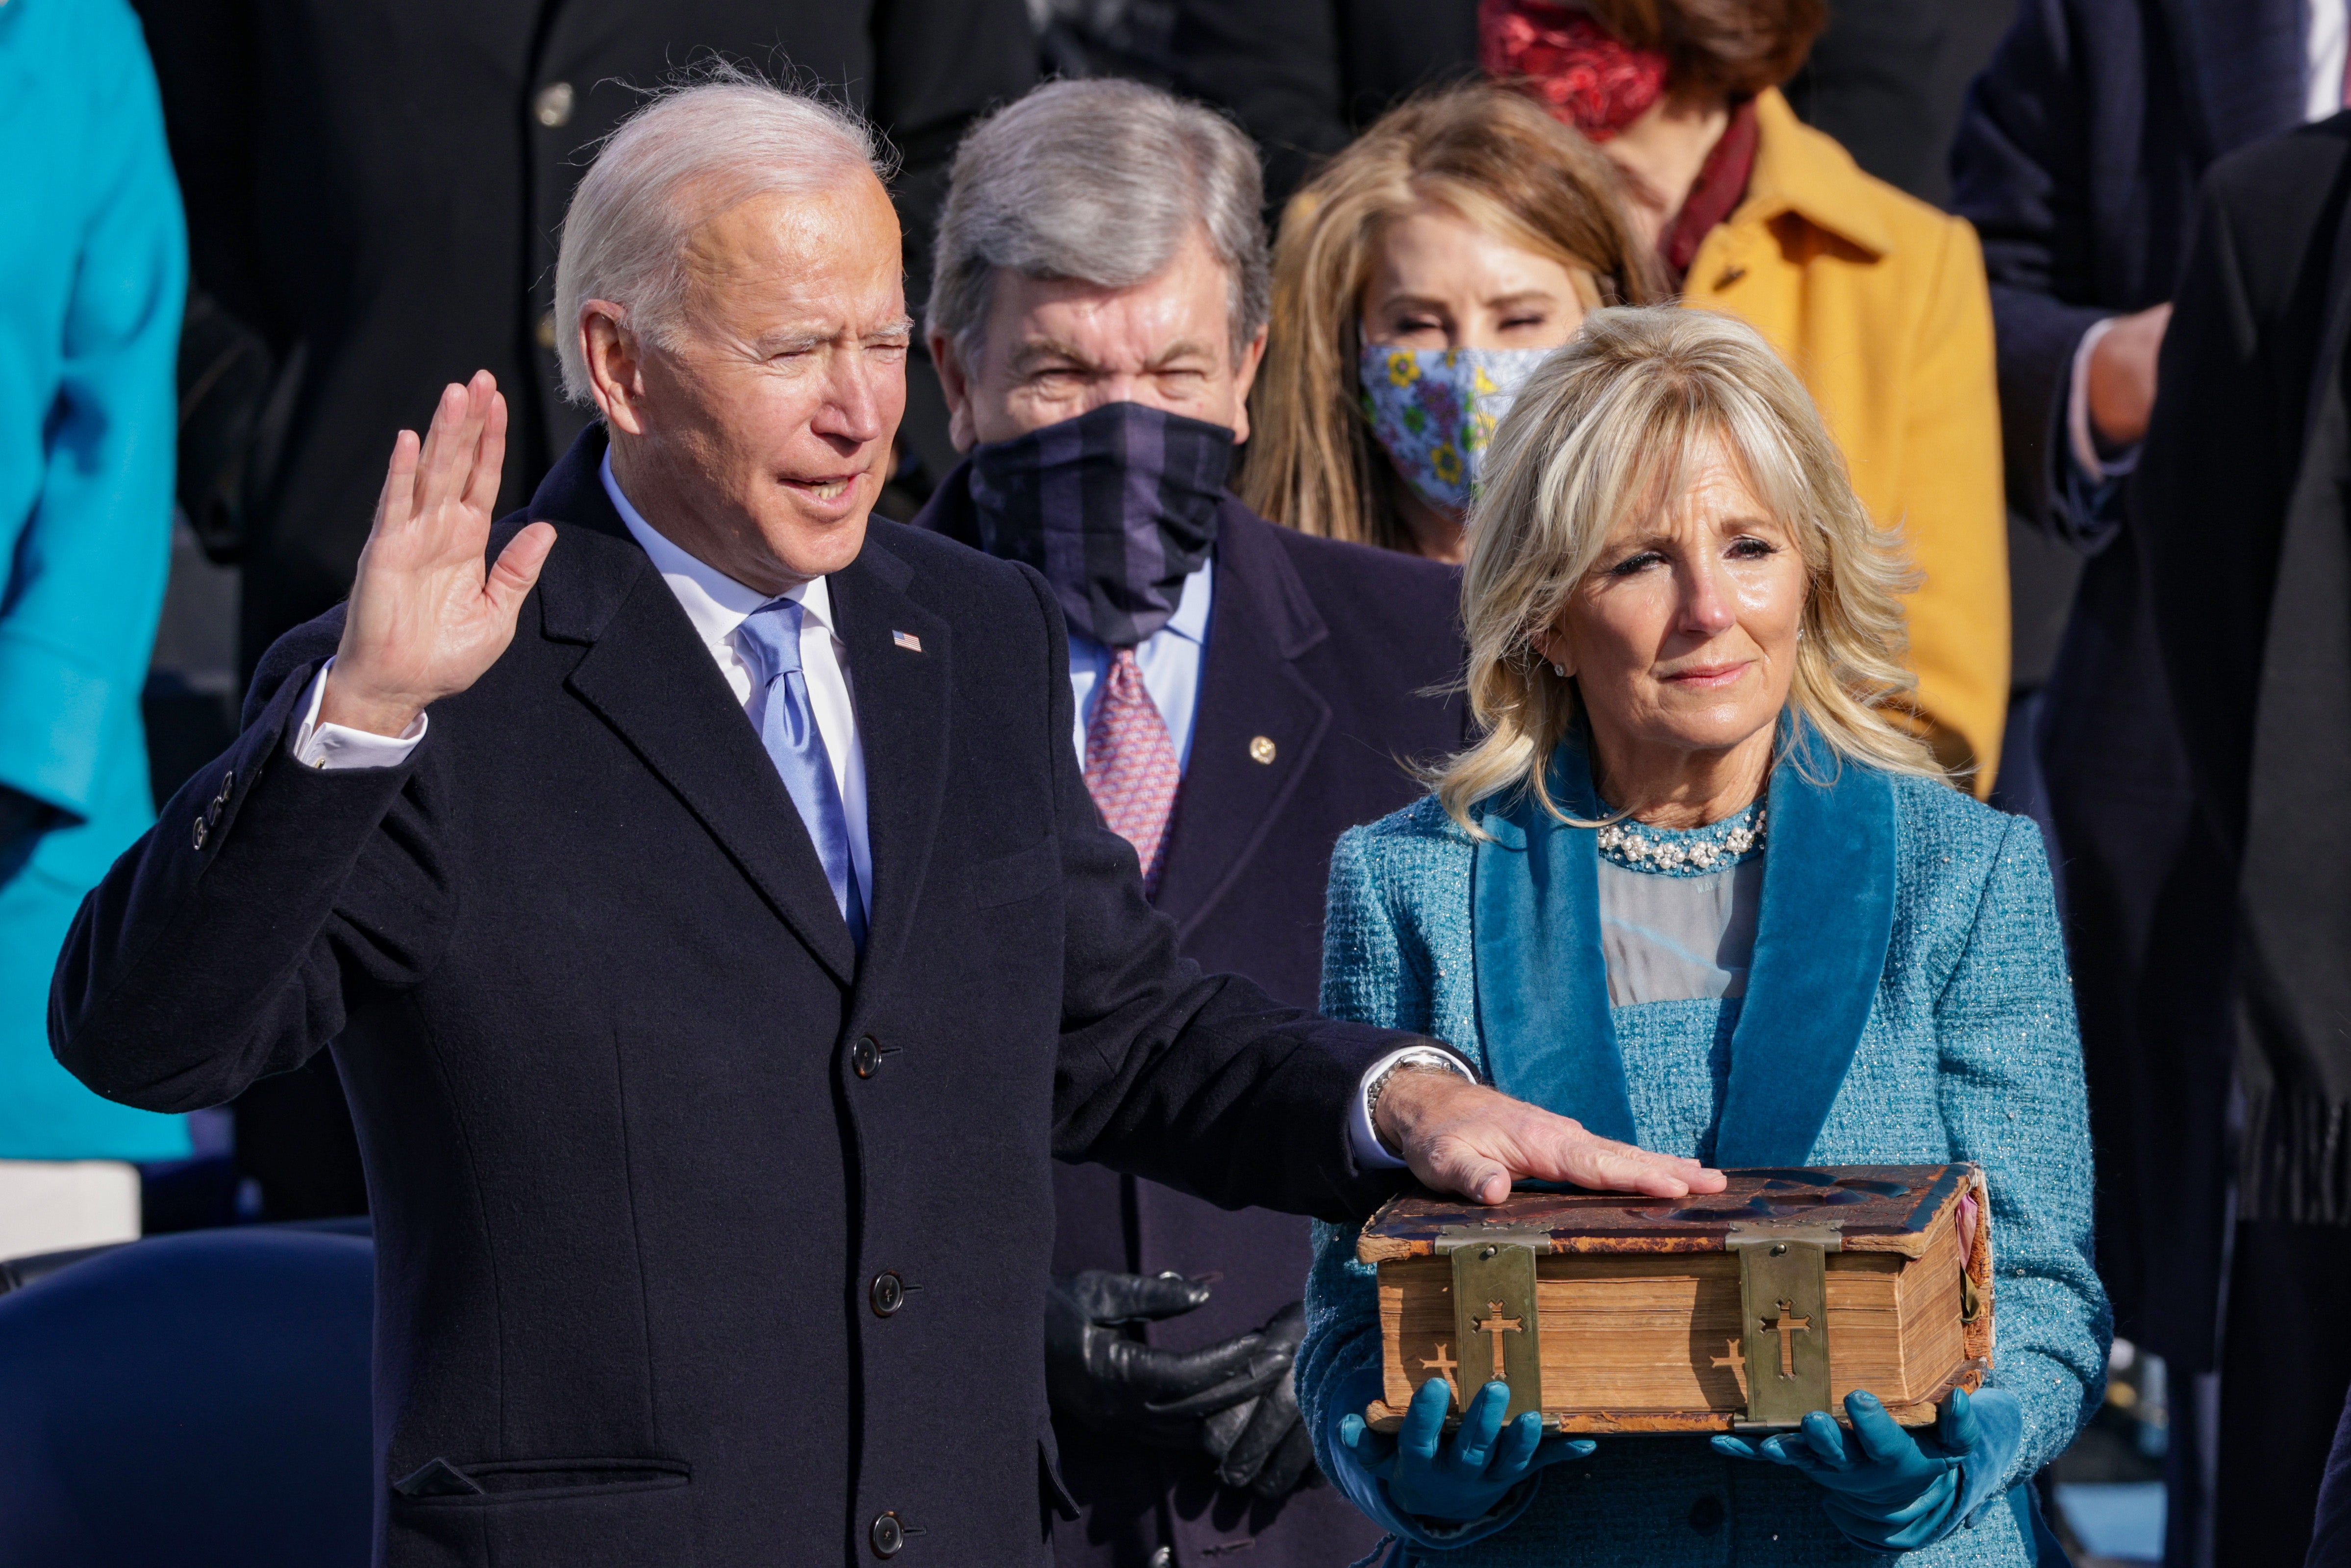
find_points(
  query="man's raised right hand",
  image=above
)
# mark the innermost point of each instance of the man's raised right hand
(427, 618)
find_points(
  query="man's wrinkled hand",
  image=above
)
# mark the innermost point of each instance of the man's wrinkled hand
(1463, 1137)
(427, 616)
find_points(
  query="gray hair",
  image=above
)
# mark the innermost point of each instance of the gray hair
(1099, 181)
(693, 151)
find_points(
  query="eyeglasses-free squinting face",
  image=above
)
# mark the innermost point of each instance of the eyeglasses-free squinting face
(1682, 637)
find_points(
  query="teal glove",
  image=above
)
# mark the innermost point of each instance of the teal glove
(1887, 1491)
(1464, 1477)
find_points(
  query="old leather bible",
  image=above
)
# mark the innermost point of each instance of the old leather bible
(1743, 1309)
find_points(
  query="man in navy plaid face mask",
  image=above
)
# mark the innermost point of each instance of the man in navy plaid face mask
(1244, 693)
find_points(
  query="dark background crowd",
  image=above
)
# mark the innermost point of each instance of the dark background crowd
(2160, 190)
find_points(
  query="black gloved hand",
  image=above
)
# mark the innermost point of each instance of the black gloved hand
(1261, 1443)
(1101, 1378)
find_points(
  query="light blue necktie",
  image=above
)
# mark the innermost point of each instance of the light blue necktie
(787, 729)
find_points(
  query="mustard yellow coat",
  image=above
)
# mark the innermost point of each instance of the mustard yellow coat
(1878, 302)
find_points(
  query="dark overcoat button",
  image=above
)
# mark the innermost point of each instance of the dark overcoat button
(887, 1535)
(1706, 1515)
(865, 1056)
(888, 1294)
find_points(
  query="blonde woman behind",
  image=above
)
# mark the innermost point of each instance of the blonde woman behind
(1416, 282)
(1694, 890)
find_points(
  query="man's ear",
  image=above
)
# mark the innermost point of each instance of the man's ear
(615, 364)
(1244, 378)
(956, 384)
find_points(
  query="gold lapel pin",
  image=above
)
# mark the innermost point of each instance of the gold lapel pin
(1261, 748)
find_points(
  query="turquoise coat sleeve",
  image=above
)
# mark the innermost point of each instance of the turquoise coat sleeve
(2012, 1100)
(93, 272)
(1369, 976)
(91, 372)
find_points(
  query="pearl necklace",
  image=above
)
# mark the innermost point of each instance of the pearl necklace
(1693, 851)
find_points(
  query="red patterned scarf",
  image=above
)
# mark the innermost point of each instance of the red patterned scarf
(1571, 64)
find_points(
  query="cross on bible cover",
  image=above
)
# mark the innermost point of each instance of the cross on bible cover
(1738, 1311)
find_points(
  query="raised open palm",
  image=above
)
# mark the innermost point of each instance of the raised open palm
(427, 618)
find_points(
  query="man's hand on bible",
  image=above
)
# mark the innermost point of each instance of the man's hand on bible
(427, 615)
(1099, 1378)
(1463, 1137)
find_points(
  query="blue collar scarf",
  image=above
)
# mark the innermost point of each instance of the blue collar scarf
(1826, 922)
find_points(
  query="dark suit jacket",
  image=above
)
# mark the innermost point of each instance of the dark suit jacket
(2242, 518)
(376, 185)
(1329, 650)
(2077, 158)
(641, 1220)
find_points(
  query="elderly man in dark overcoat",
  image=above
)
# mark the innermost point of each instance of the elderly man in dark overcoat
(713, 926)
(373, 192)
(1100, 307)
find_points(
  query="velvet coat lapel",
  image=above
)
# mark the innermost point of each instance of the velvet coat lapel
(648, 676)
(1825, 924)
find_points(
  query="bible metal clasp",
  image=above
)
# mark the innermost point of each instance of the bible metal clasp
(1784, 1319)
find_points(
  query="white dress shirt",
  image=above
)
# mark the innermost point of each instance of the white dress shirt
(1170, 660)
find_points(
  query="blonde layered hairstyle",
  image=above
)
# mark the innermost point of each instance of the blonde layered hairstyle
(1622, 422)
(1499, 162)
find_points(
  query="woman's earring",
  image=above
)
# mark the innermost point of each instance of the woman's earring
(1560, 670)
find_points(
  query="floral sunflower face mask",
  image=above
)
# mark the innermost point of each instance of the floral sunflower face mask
(1435, 411)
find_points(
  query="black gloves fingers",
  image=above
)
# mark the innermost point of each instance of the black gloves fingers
(1292, 1468)
(1185, 1382)
(1111, 1299)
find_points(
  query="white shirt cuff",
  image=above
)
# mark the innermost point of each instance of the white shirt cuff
(2078, 435)
(334, 746)
(1371, 1155)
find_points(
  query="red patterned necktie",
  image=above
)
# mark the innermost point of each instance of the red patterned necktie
(1131, 768)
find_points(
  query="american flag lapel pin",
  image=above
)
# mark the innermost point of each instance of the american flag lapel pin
(908, 640)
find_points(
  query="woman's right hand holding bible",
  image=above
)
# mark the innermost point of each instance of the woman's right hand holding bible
(1463, 1477)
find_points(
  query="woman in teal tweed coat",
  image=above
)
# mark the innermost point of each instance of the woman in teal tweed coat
(1884, 981)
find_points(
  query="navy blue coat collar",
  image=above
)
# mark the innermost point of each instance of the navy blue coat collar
(1827, 922)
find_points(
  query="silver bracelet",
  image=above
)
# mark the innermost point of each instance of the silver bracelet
(1425, 1058)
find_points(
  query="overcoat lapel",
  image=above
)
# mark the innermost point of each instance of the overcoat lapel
(901, 709)
(1826, 922)
(648, 676)
(1250, 690)
(652, 680)
(1542, 982)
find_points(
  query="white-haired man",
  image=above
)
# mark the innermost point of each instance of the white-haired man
(715, 933)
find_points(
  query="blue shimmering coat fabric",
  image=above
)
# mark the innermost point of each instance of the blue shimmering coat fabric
(93, 266)
(1908, 1004)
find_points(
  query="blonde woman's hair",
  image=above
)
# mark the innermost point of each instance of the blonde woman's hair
(1621, 423)
(1500, 162)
